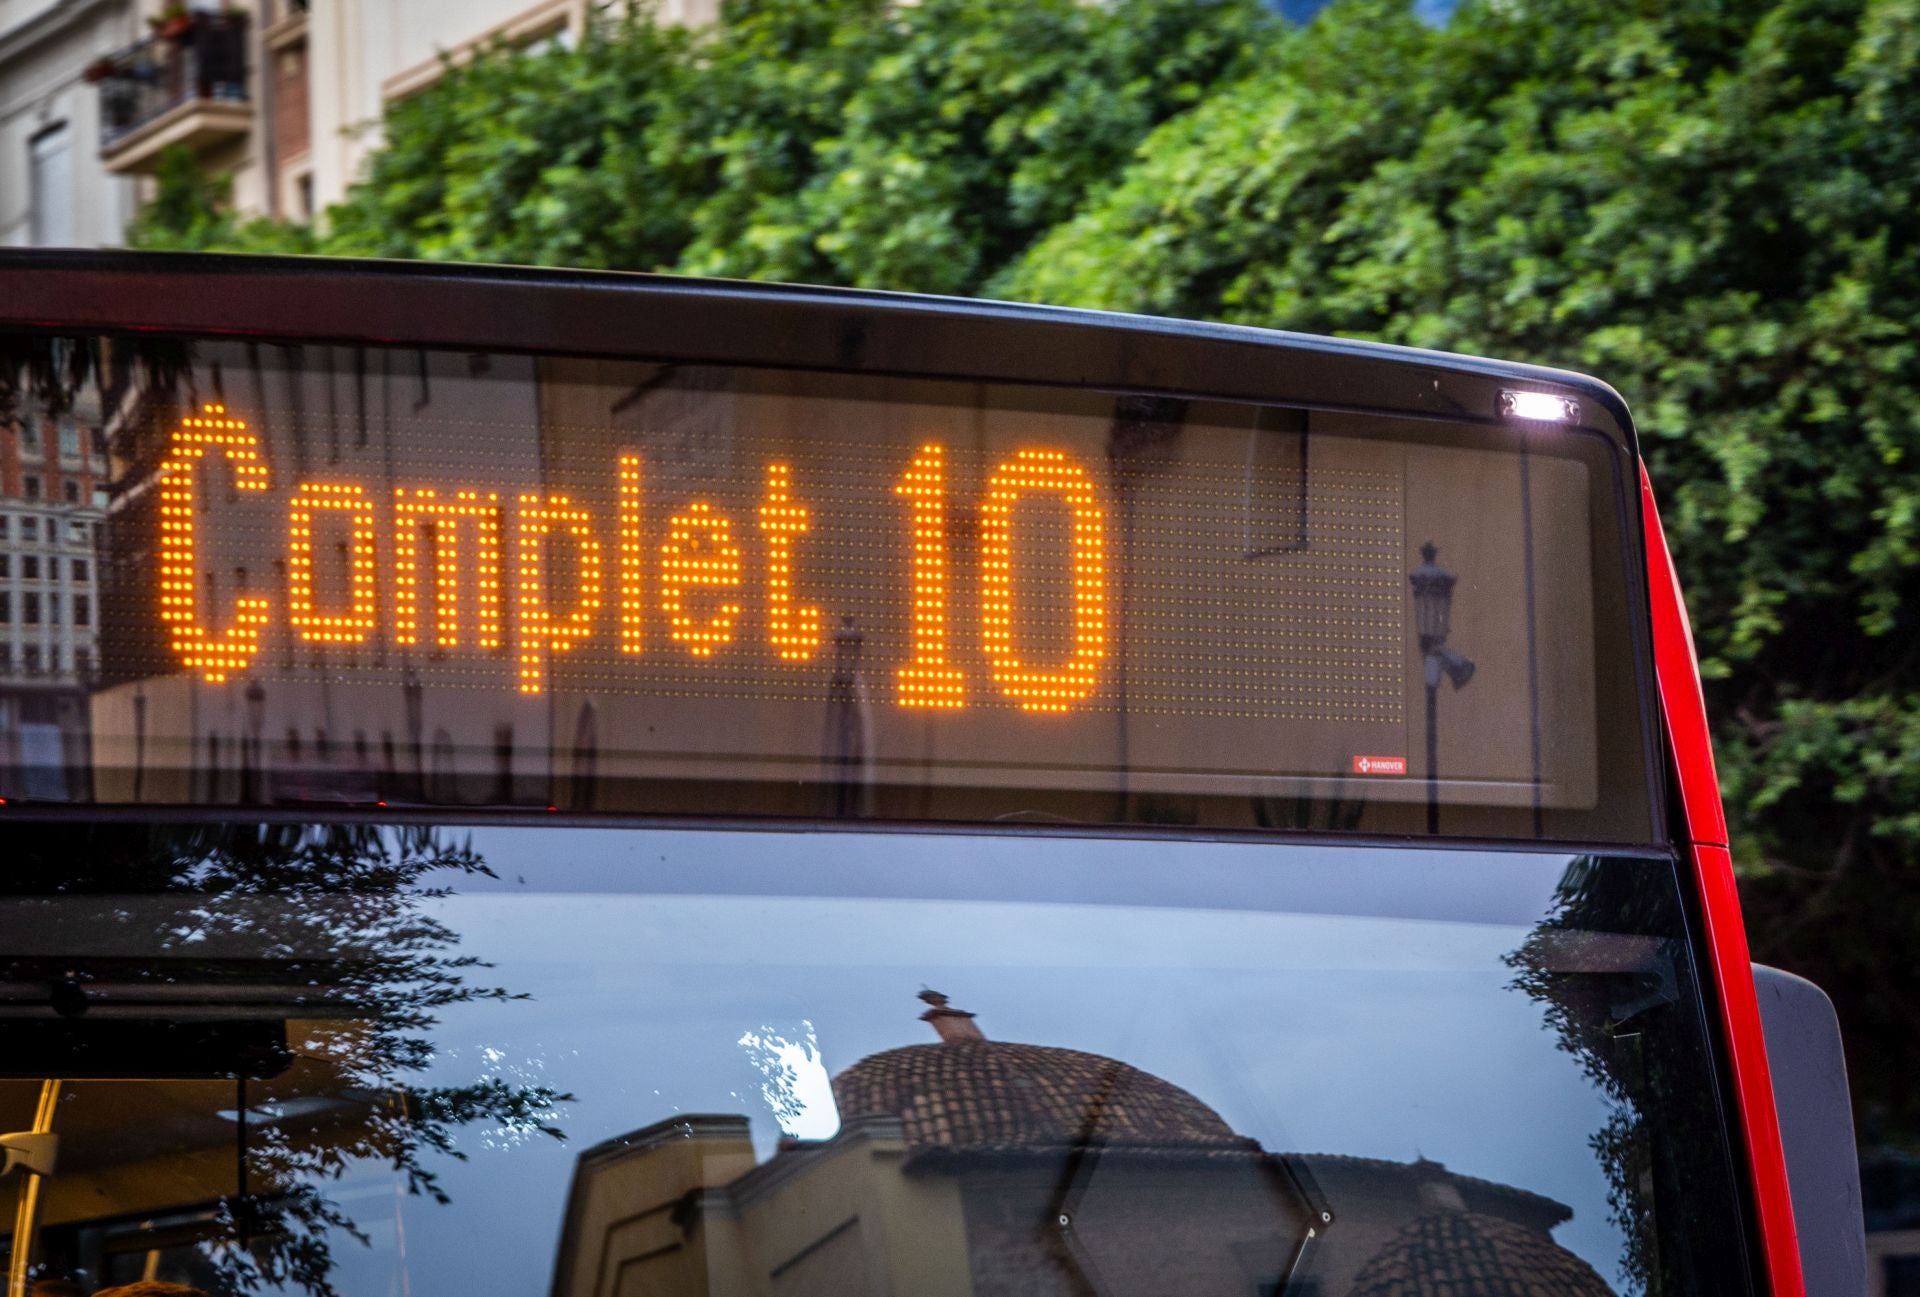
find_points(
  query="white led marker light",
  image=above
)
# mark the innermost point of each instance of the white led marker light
(1539, 407)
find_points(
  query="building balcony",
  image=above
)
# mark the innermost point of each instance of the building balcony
(186, 84)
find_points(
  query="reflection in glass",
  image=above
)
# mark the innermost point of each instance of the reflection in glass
(302, 961)
(360, 1061)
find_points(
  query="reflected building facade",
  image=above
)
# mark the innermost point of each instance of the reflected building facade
(52, 493)
(974, 1166)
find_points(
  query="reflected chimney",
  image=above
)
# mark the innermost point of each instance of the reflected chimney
(1438, 1192)
(954, 1025)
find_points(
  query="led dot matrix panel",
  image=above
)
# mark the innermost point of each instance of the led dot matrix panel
(396, 576)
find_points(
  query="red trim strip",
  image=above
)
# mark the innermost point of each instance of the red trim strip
(1678, 669)
(1685, 711)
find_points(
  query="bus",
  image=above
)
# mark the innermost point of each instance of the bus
(520, 781)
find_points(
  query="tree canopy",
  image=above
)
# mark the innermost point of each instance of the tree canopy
(828, 141)
(1706, 202)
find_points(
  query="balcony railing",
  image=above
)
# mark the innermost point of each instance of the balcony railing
(194, 59)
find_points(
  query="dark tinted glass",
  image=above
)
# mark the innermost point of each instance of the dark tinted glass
(357, 576)
(669, 1062)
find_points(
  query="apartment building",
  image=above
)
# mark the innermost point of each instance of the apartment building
(284, 95)
(54, 190)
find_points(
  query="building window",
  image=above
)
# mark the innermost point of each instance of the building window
(291, 96)
(53, 609)
(6, 526)
(30, 529)
(80, 569)
(83, 662)
(30, 486)
(83, 610)
(71, 489)
(69, 437)
(29, 435)
(6, 659)
(30, 608)
(6, 608)
(30, 566)
(33, 659)
(50, 188)
(77, 533)
(6, 565)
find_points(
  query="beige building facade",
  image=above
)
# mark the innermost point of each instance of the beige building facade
(54, 190)
(286, 96)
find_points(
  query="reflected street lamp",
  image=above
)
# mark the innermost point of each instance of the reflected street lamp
(252, 748)
(1432, 608)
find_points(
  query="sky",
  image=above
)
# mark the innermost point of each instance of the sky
(1430, 11)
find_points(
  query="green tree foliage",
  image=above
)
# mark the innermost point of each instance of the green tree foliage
(548, 157)
(193, 211)
(837, 141)
(975, 127)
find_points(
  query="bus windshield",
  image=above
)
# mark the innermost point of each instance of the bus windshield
(304, 575)
(360, 1060)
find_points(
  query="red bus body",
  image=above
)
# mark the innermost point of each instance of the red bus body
(1684, 714)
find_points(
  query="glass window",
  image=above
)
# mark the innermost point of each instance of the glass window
(30, 608)
(30, 566)
(69, 437)
(724, 1063)
(70, 488)
(30, 435)
(30, 659)
(6, 526)
(83, 610)
(30, 486)
(30, 525)
(80, 569)
(50, 188)
(53, 608)
(6, 565)
(6, 607)
(79, 532)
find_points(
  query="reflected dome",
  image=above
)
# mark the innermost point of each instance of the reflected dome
(967, 1094)
(988, 1096)
(1449, 1251)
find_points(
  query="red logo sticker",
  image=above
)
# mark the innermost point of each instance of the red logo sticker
(1379, 765)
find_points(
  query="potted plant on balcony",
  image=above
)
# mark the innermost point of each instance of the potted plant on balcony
(98, 70)
(173, 23)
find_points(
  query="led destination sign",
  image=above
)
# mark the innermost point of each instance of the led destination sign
(697, 569)
(426, 577)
